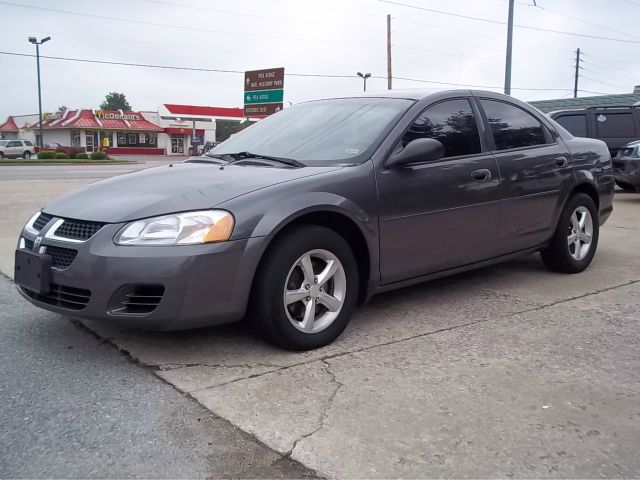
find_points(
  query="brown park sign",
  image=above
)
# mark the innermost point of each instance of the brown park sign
(261, 109)
(267, 79)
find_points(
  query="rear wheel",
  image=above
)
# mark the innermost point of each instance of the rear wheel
(1, 155)
(26, 155)
(625, 186)
(576, 238)
(306, 289)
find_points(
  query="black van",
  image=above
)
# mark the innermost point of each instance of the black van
(616, 126)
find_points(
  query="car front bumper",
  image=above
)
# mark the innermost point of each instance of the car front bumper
(627, 171)
(199, 285)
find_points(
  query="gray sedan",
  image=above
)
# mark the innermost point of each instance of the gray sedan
(297, 219)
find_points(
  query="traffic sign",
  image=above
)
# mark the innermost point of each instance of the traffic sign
(263, 91)
(269, 79)
(263, 96)
(262, 109)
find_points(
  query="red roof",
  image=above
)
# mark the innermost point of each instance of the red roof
(9, 126)
(87, 119)
(204, 111)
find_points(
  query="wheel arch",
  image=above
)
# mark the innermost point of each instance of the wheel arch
(342, 222)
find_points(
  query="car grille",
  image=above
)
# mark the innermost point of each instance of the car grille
(61, 296)
(78, 229)
(61, 258)
(41, 221)
(28, 244)
(136, 299)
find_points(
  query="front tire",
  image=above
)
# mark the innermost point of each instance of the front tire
(627, 187)
(575, 240)
(306, 289)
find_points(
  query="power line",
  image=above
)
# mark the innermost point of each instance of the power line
(218, 70)
(182, 27)
(603, 83)
(498, 22)
(252, 15)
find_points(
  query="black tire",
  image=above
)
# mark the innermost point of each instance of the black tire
(1, 155)
(627, 187)
(557, 255)
(266, 304)
(26, 155)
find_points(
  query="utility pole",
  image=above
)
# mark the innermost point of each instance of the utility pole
(575, 84)
(507, 70)
(37, 43)
(389, 76)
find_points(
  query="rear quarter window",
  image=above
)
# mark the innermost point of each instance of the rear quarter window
(615, 125)
(28, 143)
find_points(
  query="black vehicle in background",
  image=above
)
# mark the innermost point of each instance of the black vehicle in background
(626, 167)
(616, 126)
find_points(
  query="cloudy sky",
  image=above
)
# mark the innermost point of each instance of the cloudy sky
(328, 37)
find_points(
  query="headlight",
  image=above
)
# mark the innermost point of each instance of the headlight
(190, 228)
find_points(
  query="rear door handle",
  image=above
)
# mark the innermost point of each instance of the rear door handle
(482, 175)
(561, 161)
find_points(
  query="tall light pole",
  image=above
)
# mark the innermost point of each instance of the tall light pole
(364, 76)
(37, 43)
(507, 69)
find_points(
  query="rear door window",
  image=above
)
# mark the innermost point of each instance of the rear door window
(615, 125)
(575, 124)
(452, 123)
(513, 127)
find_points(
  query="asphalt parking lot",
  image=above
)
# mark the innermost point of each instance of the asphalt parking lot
(506, 371)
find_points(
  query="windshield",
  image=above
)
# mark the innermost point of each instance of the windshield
(327, 130)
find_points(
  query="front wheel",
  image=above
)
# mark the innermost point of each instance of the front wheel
(627, 187)
(306, 289)
(576, 237)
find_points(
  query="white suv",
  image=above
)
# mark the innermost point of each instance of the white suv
(16, 149)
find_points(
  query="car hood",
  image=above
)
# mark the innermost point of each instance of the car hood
(178, 188)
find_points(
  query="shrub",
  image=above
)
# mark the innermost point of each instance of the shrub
(72, 155)
(81, 156)
(98, 156)
(46, 155)
(61, 156)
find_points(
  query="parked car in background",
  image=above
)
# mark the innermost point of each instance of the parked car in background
(301, 216)
(56, 147)
(16, 149)
(626, 167)
(615, 126)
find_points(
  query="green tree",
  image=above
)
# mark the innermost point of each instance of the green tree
(115, 101)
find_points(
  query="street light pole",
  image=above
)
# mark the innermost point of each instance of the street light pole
(364, 77)
(37, 43)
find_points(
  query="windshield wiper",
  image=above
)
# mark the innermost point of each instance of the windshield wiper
(240, 156)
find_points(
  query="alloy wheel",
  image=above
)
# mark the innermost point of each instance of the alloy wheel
(315, 291)
(580, 233)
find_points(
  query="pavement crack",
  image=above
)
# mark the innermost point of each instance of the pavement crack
(169, 366)
(577, 297)
(325, 411)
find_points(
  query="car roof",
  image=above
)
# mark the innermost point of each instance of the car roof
(420, 94)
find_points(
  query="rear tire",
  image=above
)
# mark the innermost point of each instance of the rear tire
(306, 289)
(26, 155)
(575, 240)
(627, 187)
(1, 155)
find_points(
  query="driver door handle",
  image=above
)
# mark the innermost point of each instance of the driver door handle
(482, 175)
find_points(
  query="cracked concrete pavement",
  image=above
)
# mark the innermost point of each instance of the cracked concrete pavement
(506, 371)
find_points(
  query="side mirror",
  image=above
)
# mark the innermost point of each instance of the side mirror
(417, 151)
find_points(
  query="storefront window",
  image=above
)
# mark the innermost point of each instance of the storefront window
(137, 139)
(75, 138)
